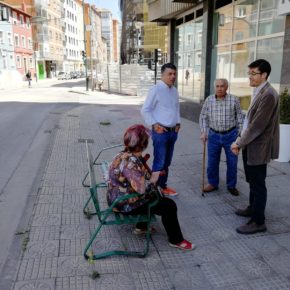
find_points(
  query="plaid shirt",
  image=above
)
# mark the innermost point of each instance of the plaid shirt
(221, 115)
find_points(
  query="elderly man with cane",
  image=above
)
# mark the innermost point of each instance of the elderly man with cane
(221, 120)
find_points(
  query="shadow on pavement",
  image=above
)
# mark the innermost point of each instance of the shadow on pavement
(69, 84)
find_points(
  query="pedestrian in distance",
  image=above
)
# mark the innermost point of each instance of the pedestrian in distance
(162, 113)
(129, 174)
(221, 121)
(259, 142)
(187, 74)
(28, 78)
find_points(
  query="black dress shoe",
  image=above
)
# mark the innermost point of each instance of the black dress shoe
(233, 191)
(247, 212)
(251, 227)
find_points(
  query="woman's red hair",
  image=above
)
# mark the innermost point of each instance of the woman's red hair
(136, 138)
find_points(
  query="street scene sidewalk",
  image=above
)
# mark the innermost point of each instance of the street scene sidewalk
(54, 231)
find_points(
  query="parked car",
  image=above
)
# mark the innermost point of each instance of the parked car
(63, 76)
(73, 75)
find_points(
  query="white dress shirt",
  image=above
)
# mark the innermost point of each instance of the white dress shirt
(161, 106)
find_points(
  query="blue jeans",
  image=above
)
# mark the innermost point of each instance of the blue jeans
(216, 142)
(163, 144)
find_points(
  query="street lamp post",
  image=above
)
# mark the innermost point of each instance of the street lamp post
(85, 47)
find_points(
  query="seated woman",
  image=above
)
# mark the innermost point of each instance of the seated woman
(127, 174)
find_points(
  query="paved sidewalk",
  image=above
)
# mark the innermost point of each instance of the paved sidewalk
(54, 240)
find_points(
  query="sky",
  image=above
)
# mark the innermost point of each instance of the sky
(112, 5)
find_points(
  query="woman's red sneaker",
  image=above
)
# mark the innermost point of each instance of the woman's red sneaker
(184, 245)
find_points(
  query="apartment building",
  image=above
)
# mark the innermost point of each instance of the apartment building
(61, 30)
(73, 36)
(107, 32)
(116, 41)
(16, 48)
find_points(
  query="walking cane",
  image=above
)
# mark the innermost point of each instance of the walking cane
(203, 168)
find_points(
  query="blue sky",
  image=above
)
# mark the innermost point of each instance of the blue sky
(112, 5)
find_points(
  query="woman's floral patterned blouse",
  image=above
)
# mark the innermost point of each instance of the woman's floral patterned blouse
(127, 175)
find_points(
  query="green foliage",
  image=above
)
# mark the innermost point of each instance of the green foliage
(285, 107)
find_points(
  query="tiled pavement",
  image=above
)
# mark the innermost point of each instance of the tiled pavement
(223, 259)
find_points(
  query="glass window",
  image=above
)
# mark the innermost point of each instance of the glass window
(198, 34)
(18, 61)
(188, 40)
(179, 39)
(225, 22)
(189, 37)
(242, 55)
(245, 20)
(223, 62)
(23, 40)
(16, 40)
(9, 37)
(272, 50)
(269, 21)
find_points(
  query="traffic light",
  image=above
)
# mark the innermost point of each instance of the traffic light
(157, 54)
(84, 55)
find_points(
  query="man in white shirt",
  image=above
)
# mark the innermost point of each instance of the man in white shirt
(161, 111)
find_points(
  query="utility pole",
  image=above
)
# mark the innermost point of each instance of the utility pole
(91, 48)
(85, 46)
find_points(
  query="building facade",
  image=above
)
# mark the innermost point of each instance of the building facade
(140, 37)
(116, 41)
(66, 36)
(74, 36)
(16, 47)
(214, 39)
(7, 56)
(107, 32)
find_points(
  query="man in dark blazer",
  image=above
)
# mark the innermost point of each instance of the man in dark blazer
(259, 141)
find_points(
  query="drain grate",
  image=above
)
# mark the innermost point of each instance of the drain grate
(47, 131)
(73, 116)
(84, 140)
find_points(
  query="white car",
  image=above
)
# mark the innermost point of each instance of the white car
(63, 76)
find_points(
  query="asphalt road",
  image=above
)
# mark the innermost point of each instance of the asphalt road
(28, 118)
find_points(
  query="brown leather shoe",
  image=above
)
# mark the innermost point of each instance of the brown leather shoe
(250, 228)
(247, 212)
(209, 188)
(233, 191)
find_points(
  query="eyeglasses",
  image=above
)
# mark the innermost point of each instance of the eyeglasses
(253, 73)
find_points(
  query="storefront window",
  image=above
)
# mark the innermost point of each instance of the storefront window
(179, 39)
(223, 62)
(242, 55)
(188, 40)
(269, 21)
(239, 38)
(198, 34)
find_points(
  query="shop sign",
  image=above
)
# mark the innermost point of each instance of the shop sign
(284, 7)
